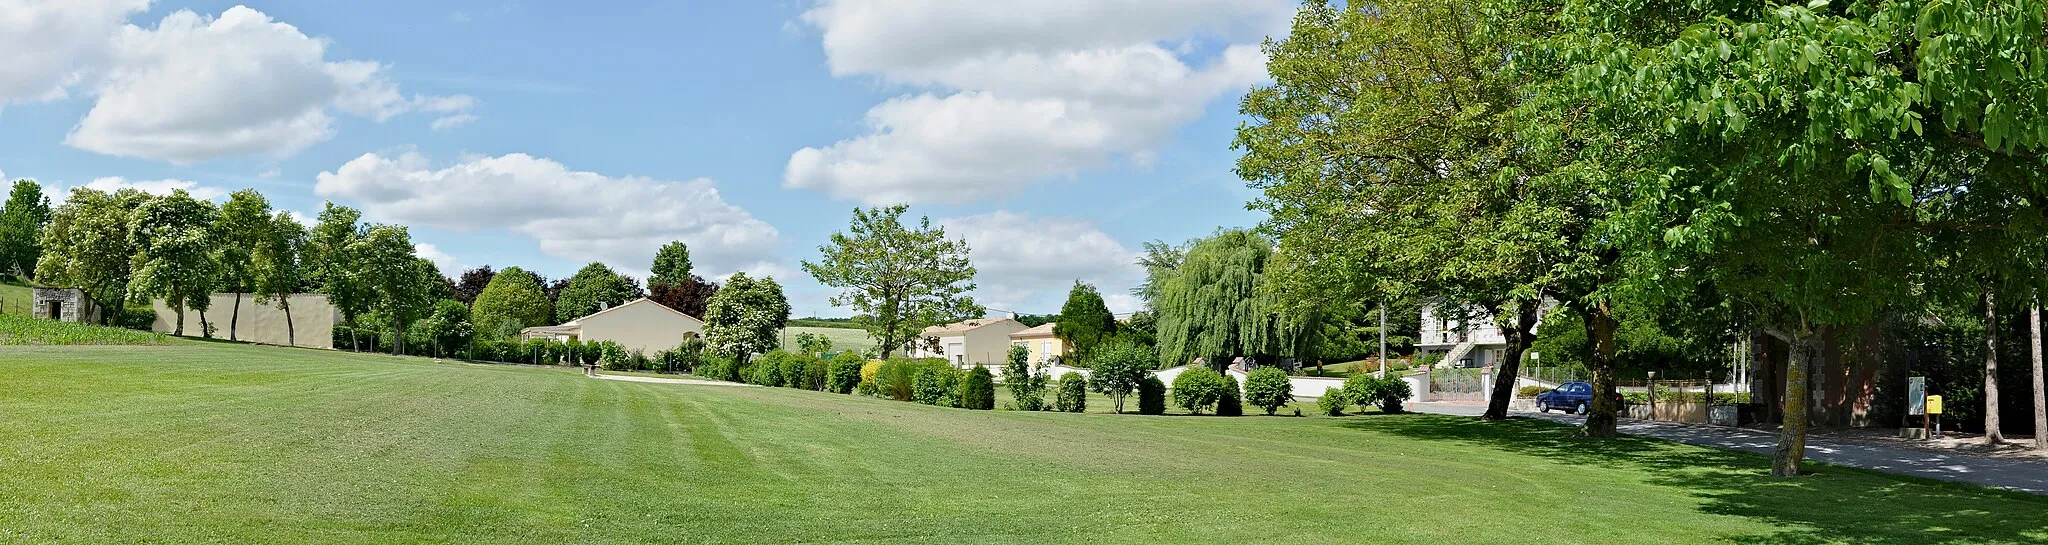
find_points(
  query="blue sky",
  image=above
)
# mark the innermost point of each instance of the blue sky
(1055, 135)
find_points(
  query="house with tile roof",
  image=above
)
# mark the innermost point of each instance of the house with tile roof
(970, 342)
(1042, 343)
(641, 324)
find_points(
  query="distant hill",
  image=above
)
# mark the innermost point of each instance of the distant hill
(839, 323)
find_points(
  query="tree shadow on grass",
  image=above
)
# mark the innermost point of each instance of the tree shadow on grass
(1831, 504)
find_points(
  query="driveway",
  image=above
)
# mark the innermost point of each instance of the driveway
(2017, 475)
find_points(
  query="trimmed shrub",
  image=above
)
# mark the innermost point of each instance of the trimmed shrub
(609, 354)
(1231, 403)
(716, 367)
(1268, 388)
(937, 386)
(894, 378)
(144, 319)
(1197, 389)
(1072, 396)
(1333, 401)
(765, 371)
(867, 388)
(844, 375)
(794, 367)
(978, 389)
(1367, 391)
(816, 371)
(1151, 396)
(1530, 391)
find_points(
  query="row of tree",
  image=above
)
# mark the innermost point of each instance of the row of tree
(1797, 170)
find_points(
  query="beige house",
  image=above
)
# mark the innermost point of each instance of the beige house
(641, 324)
(311, 324)
(1042, 343)
(972, 342)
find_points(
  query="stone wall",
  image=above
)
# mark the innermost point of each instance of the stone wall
(74, 305)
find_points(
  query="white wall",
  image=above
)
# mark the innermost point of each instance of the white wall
(640, 325)
(312, 320)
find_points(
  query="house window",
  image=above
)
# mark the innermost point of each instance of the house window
(1045, 350)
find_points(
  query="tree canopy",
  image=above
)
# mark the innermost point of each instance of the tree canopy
(173, 238)
(746, 317)
(513, 301)
(21, 228)
(899, 279)
(671, 265)
(1085, 322)
(595, 287)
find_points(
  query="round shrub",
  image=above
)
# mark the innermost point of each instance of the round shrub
(1231, 403)
(1333, 401)
(844, 375)
(978, 389)
(1197, 389)
(1366, 391)
(610, 354)
(1072, 396)
(1530, 391)
(765, 371)
(716, 367)
(1151, 396)
(816, 371)
(936, 386)
(793, 367)
(1268, 388)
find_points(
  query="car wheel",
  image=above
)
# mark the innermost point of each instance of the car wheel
(1542, 406)
(1582, 408)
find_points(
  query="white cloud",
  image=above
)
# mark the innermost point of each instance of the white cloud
(110, 184)
(196, 88)
(572, 214)
(1027, 264)
(447, 263)
(1020, 92)
(452, 121)
(47, 46)
(271, 174)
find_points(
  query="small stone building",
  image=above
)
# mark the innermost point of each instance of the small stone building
(65, 305)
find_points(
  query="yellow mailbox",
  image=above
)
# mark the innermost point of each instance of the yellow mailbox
(1933, 404)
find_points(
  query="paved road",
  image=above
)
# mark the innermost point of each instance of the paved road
(2019, 475)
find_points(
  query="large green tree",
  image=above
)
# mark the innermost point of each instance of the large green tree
(1211, 307)
(333, 261)
(745, 317)
(514, 300)
(173, 239)
(21, 228)
(242, 227)
(1805, 152)
(671, 265)
(899, 279)
(86, 245)
(277, 265)
(1085, 322)
(595, 287)
(404, 285)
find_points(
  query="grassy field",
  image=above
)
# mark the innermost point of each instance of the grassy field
(842, 339)
(15, 296)
(221, 443)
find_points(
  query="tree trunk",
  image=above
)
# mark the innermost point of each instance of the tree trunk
(1520, 335)
(1992, 435)
(1792, 436)
(291, 333)
(235, 317)
(1606, 409)
(180, 329)
(2040, 394)
(205, 329)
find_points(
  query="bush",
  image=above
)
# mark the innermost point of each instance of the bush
(716, 367)
(893, 379)
(1333, 401)
(794, 367)
(1151, 396)
(1027, 389)
(143, 319)
(592, 352)
(816, 371)
(1197, 389)
(1388, 392)
(1268, 388)
(844, 375)
(684, 358)
(609, 354)
(1072, 396)
(937, 386)
(867, 388)
(1120, 368)
(765, 370)
(978, 389)
(1530, 391)
(1231, 403)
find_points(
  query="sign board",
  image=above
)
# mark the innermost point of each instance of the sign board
(1933, 404)
(1916, 396)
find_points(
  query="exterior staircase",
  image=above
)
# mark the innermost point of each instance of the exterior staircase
(1457, 353)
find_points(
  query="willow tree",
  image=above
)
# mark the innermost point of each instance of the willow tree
(1212, 306)
(1805, 148)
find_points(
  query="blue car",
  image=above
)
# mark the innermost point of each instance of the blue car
(1570, 397)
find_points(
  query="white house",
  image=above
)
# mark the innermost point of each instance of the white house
(641, 324)
(972, 342)
(1466, 337)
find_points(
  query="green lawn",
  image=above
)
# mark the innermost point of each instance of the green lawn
(15, 296)
(222, 443)
(843, 339)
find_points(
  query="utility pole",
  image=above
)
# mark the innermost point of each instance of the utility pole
(1383, 340)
